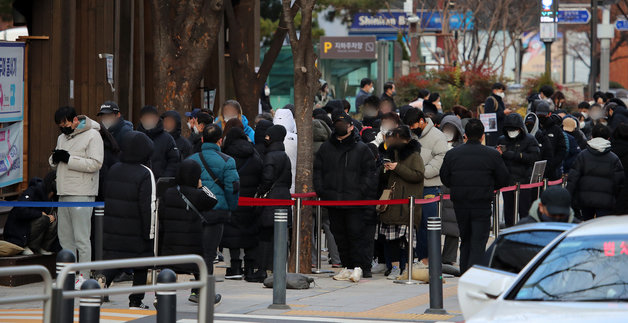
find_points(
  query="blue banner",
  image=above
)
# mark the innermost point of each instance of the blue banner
(364, 22)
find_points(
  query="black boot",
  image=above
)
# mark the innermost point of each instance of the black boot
(257, 277)
(235, 271)
(248, 272)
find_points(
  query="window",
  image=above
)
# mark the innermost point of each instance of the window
(593, 268)
(514, 251)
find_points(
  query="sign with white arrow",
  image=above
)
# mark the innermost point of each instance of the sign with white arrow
(574, 16)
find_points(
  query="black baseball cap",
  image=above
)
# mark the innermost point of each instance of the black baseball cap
(193, 113)
(557, 200)
(342, 116)
(108, 107)
(541, 107)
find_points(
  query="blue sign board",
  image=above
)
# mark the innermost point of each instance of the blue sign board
(391, 22)
(621, 25)
(574, 16)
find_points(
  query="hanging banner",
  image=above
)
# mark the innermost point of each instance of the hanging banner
(11, 148)
(11, 81)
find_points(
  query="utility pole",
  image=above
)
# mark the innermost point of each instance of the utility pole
(605, 32)
(592, 64)
(410, 7)
(548, 27)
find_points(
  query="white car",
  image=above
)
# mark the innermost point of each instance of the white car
(581, 276)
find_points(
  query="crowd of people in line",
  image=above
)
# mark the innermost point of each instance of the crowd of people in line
(420, 149)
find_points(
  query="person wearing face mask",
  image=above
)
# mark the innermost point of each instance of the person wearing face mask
(553, 206)
(201, 121)
(520, 151)
(344, 169)
(366, 88)
(495, 104)
(165, 158)
(172, 124)
(285, 118)
(389, 122)
(371, 116)
(433, 149)
(558, 98)
(232, 109)
(550, 128)
(389, 94)
(323, 96)
(451, 126)
(573, 143)
(617, 113)
(265, 99)
(275, 184)
(573, 126)
(111, 119)
(77, 159)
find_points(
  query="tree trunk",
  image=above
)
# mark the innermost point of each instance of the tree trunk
(306, 77)
(185, 33)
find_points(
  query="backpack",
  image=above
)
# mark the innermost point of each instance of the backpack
(481, 108)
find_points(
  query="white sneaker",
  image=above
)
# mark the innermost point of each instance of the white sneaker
(378, 268)
(394, 273)
(44, 252)
(27, 251)
(356, 275)
(79, 282)
(344, 274)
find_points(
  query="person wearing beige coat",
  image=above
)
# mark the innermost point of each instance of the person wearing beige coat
(77, 159)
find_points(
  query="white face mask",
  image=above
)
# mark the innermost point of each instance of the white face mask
(196, 130)
(501, 94)
(585, 115)
(267, 91)
(449, 135)
(371, 90)
(582, 125)
(108, 123)
(513, 134)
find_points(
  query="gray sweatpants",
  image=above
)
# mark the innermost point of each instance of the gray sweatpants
(74, 228)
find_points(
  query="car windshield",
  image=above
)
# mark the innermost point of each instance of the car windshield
(513, 251)
(588, 268)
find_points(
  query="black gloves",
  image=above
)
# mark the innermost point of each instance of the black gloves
(60, 155)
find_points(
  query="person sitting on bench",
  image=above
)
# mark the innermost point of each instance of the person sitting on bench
(34, 228)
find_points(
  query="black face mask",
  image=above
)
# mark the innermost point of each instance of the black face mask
(418, 132)
(66, 130)
(267, 142)
(341, 130)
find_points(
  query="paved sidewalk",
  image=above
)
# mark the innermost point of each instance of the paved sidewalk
(376, 299)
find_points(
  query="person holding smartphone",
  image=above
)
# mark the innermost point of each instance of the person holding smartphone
(520, 151)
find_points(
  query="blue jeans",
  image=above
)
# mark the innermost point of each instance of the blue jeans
(428, 210)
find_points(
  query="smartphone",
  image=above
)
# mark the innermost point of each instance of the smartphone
(502, 147)
(386, 160)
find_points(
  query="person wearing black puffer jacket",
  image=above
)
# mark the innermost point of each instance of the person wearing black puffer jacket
(172, 124)
(344, 169)
(129, 210)
(619, 146)
(551, 128)
(241, 231)
(275, 184)
(181, 228)
(472, 172)
(260, 134)
(520, 151)
(597, 176)
(165, 157)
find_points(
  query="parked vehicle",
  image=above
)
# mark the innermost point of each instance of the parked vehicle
(579, 277)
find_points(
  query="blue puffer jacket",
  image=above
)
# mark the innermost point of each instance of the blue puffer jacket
(224, 168)
(247, 129)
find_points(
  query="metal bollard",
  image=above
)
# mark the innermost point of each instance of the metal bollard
(517, 194)
(435, 266)
(64, 258)
(280, 253)
(496, 216)
(99, 224)
(410, 246)
(297, 230)
(167, 299)
(89, 310)
(319, 241)
(210, 296)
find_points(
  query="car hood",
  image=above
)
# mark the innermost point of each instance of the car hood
(554, 312)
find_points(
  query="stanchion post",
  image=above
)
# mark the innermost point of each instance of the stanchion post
(297, 230)
(517, 194)
(210, 291)
(166, 299)
(279, 260)
(89, 310)
(544, 184)
(440, 205)
(435, 266)
(563, 183)
(99, 218)
(410, 246)
(64, 258)
(496, 215)
(319, 241)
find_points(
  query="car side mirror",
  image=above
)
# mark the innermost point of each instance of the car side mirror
(479, 286)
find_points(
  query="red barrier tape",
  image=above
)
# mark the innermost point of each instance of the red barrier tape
(427, 201)
(556, 182)
(249, 201)
(357, 202)
(529, 186)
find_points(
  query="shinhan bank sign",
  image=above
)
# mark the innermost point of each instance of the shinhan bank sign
(385, 21)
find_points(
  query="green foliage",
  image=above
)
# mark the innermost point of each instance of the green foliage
(533, 85)
(456, 86)
(615, 85)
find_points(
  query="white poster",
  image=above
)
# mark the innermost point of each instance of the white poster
(490, 122)
(11, 153)
(11, 81)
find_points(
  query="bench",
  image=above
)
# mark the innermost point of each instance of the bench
(21, 260)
